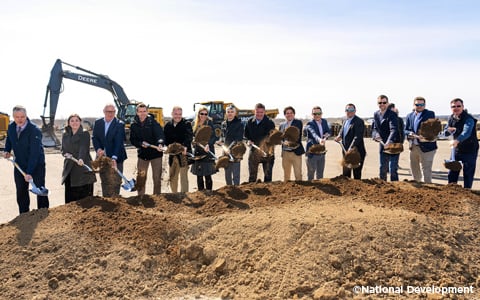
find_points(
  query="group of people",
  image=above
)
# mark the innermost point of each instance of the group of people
(151, 140)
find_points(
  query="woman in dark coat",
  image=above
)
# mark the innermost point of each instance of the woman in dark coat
(76, 142)
(204, 167)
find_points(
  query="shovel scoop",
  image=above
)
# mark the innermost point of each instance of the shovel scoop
(40, 191)
(452, 164)
(128, 185)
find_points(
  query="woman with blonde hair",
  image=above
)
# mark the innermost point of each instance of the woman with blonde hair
(204, 166)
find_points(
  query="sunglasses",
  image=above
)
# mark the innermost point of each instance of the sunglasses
(455, 106)
(383, 102)
(350, 109)
(420, 104)
(317, 114)
(203, 114)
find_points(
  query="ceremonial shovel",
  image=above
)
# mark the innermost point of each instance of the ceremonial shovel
(40, 191)
(70, 156)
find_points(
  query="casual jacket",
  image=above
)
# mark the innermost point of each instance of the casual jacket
(356, 129)
(78, 145)
(470, 144)
(147, 131)
(410, 128)
(27, 148)
(297, 123)
(113, 142)
(232, 131)
(312, 133)
(258, 132)
(181, 133)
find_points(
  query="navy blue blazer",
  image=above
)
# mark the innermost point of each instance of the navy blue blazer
(297, 123)
(27, 148)
(312, 132)
(386, 126)
(410, 128)
(356, 129)
(112, 142)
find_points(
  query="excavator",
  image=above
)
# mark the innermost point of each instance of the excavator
(126, 109)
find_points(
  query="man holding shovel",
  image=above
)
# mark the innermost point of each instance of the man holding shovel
(257, 130)
(108, 137)
(25, 139)
(351, 136)
(462, 126)
(147, 136)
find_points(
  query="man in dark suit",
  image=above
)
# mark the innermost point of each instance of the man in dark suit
(421, 152)
(25, 139)
(352, 127)
(108, 140)
(316, 131)
(292, 158)
(385, 130)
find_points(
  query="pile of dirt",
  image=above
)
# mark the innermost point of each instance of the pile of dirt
(295, 240)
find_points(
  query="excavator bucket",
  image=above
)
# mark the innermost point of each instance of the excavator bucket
(49, 138)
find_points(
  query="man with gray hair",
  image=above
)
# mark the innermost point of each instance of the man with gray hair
(25, 139)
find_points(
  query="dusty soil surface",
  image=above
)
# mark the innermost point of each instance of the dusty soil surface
(294, 240)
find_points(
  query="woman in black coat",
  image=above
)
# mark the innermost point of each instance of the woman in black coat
(76, 142)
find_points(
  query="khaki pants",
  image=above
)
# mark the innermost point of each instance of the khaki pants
(142, 167)
(289, 160)
(417, 158)
(174, 171)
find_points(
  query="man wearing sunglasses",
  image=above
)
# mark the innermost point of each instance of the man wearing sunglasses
(421, 152)
(352, 128)
(317, 131)
(463, 126)
(385, 131)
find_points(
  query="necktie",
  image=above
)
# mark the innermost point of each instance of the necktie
(19, 129)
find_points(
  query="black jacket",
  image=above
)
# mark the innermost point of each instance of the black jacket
(211, 144)
(232, 131)
(470, 145)
(147, 131)
(258, 132)
(355, 129)
(181, 133)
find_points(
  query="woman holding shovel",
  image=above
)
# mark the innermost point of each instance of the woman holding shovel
(77, 174)
(204, 147)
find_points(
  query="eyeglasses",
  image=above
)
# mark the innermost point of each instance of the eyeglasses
(383, 102)
(420, 104)
(455, 106)
(317, 114)
(203, 114)
(351, 109)
(109, 111)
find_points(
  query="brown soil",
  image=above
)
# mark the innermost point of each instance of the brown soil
(295, 240)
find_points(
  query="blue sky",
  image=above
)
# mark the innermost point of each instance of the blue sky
(280, 53)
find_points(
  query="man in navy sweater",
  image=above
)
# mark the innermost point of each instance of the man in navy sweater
(25, 139)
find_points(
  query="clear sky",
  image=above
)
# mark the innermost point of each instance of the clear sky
(299, 52)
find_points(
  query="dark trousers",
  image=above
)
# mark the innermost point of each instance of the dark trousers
(208, 182)
(74, 193)
(357, 172)
(469, 161)
(267, 165)
(23, 196)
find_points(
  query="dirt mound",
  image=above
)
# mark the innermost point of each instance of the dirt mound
(294, 240)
